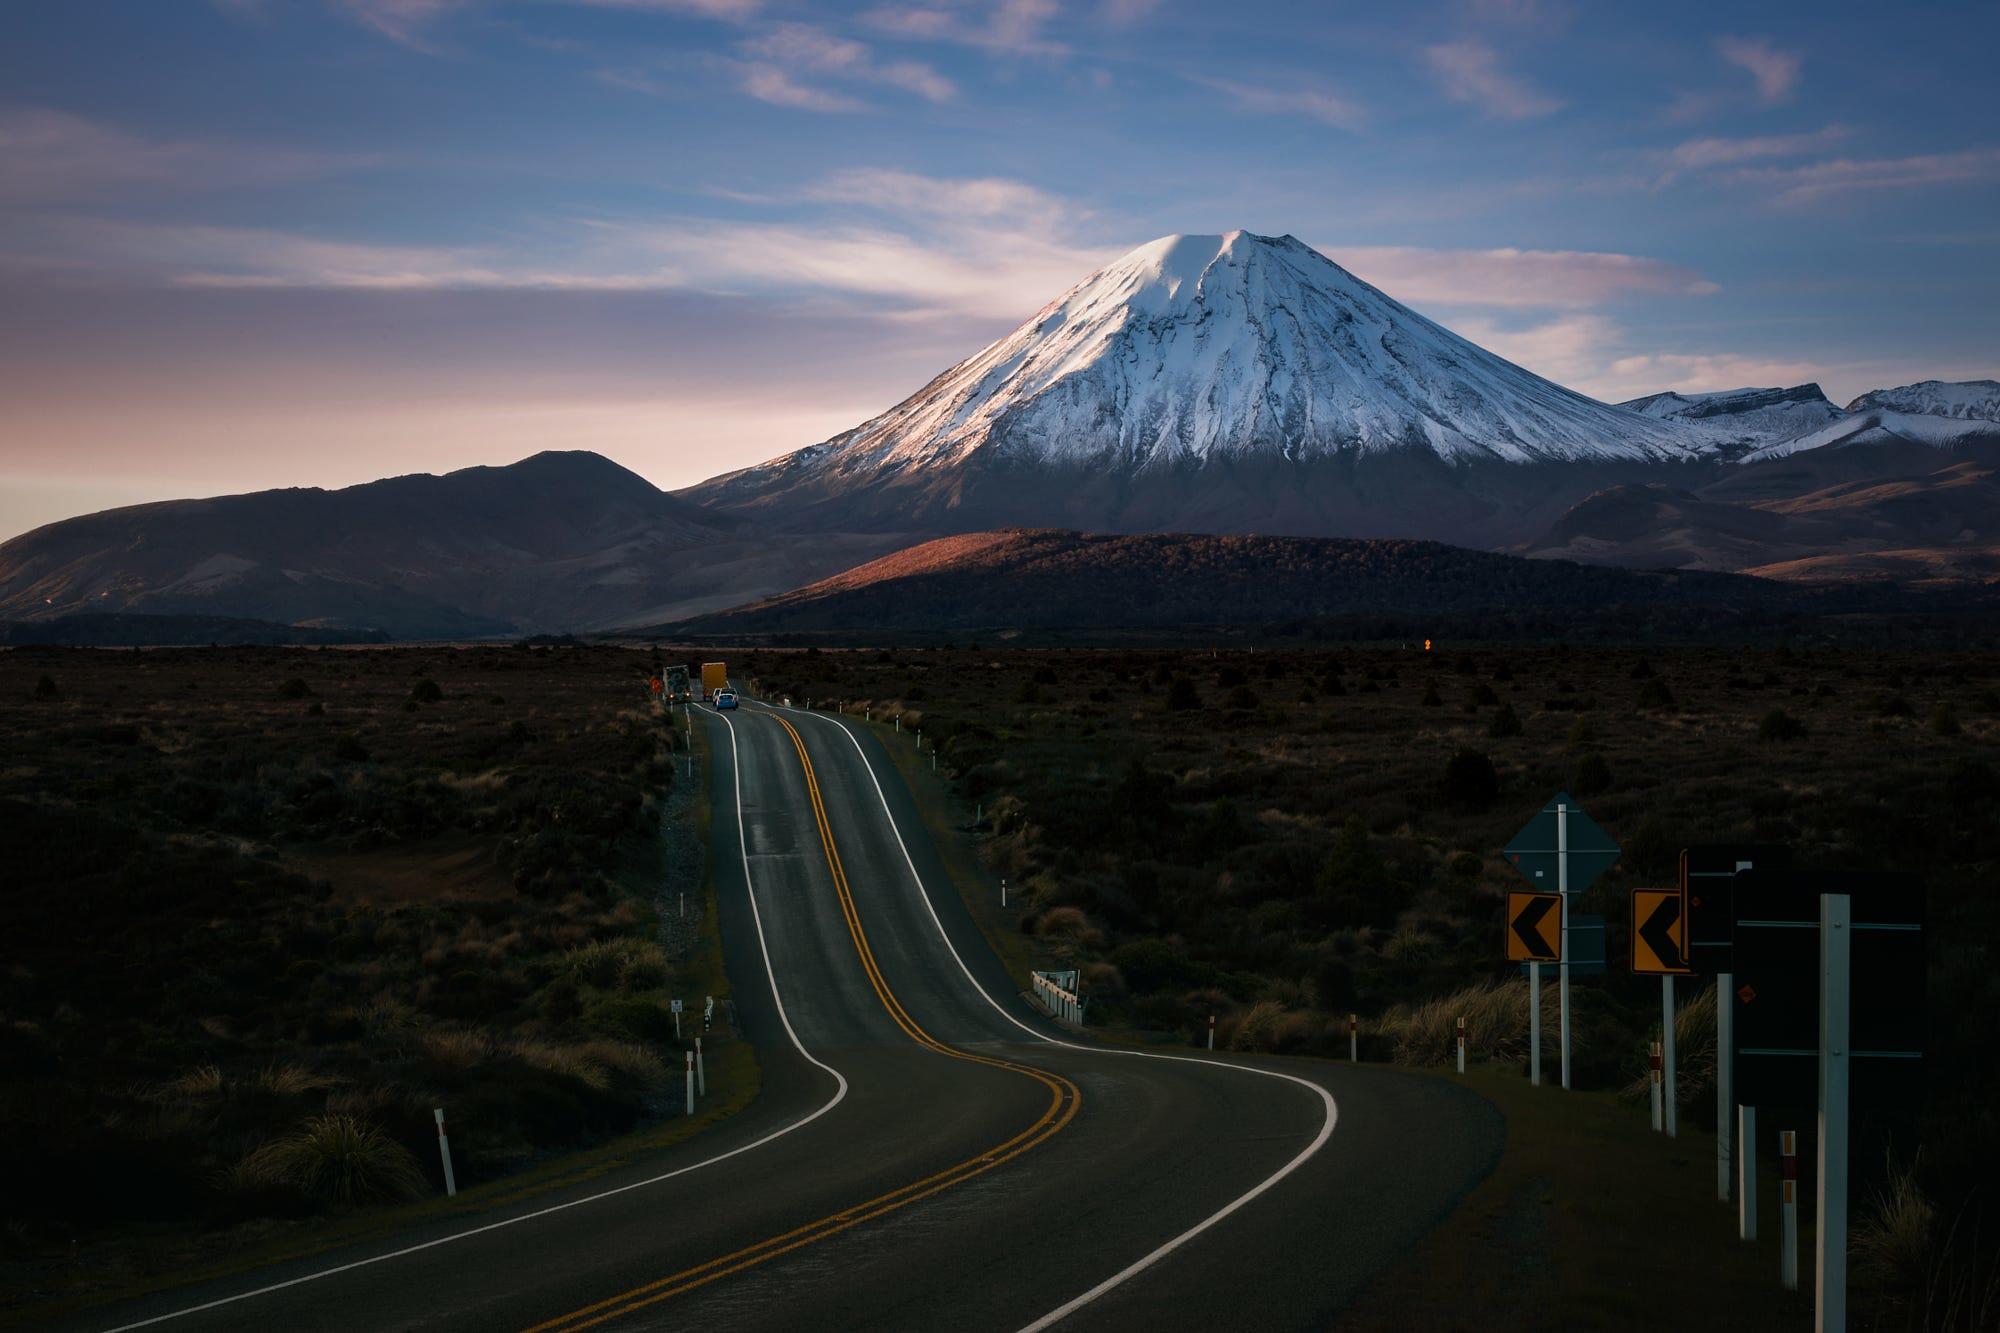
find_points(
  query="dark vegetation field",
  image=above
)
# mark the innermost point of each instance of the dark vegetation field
(1282, 838)
(263, 909)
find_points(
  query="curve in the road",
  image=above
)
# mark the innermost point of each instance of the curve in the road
(1065, 1100)
(1145, 1261)
(770, 974)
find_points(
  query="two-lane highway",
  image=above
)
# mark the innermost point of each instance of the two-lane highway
(927, 1150)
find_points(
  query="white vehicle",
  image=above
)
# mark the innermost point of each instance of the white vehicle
(725, 698)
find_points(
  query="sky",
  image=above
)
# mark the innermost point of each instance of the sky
(257, 243)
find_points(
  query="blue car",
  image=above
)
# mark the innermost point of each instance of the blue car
(725, 698)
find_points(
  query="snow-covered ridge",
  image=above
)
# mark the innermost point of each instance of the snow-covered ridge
(1882, 427)
(1192, 349)
(1968, 400)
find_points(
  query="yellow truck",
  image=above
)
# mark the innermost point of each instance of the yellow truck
(714, 679)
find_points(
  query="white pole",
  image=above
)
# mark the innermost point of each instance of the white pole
(1835, 955)
(677, 1025)
(1003, 892)
(1535, 1024)
(899, 724)
(1746, 1172)
(1211, 1032)
(1562, 888)
(1654, 1062)
(1725, 1057)
(690, 1082)
(1667, 1054)
(1353, 1040)
(1461, 1045)
(700, 1070)
(1788, 1212)
(444, 1151)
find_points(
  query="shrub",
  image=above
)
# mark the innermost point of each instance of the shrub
(1181, 696)
(426, 691)
(562, 1002)
(45, 688)
(340, 1159)
(349, 749)
(1431, 699)
(1893, 1241)
(1593, 775)
(295, 689)
(1469, 780)
(1655, 694)
(1778, 725)
(1944, 721)
(1504, 722)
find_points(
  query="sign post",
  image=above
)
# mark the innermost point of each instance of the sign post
(1534, 936)
(1564, 848)
(677, 1019)
(1659, 946)
(1830, 1237)
(1788, 1211)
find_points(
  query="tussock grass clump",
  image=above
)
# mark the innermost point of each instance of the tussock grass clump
(336, 1158)
(458, 1048)
(202, 1083)
(608, 964)
(1894, 1241)
(284, 1079)
(1694, 1054)
(1496, 1025)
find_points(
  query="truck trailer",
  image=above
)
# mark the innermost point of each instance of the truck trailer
(714, 679)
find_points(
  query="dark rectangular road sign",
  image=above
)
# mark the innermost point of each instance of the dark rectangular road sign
(1776, 1000)
(1708, 878)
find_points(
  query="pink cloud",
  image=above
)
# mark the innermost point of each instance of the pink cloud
(1776, 72)
(1471, 72)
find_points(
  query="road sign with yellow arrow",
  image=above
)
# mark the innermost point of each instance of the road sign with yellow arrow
(1659, 932)
(1534, 927)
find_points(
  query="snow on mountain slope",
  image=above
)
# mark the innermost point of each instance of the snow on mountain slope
(1969, 400)
(1743, 416)
(1194, 350)
(1882, 427)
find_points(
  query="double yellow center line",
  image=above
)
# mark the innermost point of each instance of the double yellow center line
(1064, 1102)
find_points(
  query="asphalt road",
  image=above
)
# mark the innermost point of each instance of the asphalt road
(927, 1151)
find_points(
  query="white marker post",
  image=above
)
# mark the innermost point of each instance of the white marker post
(1562, 889)
(1653, 1067)
(690, 1082)
(700, 1070)
(1746, 1173)
(1667, 1054)
(1211, 1032)
(676, 1004)
(1788, 1212)
(1003, 891)
(1353, 1040)
(1461, 1045)
(1535, 1024)
(1725, 1058)
(444, 1151)
(1835, 957)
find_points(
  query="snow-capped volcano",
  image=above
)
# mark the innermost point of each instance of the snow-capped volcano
(1194, 353)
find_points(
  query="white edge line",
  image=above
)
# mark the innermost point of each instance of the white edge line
(1140, 1265)
(839, 1094)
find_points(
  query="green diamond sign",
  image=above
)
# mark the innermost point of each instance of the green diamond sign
(1533, 851)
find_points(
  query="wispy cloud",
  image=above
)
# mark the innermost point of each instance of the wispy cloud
(50, 155)
(409, 22)
(889, 242)
(1529, 279)
(1592, 354)
(778, 60)
(1696, 154)
(1011, 26)
(1320, 104)
(1776, 72)
(1471, 72)
(1813, 182)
